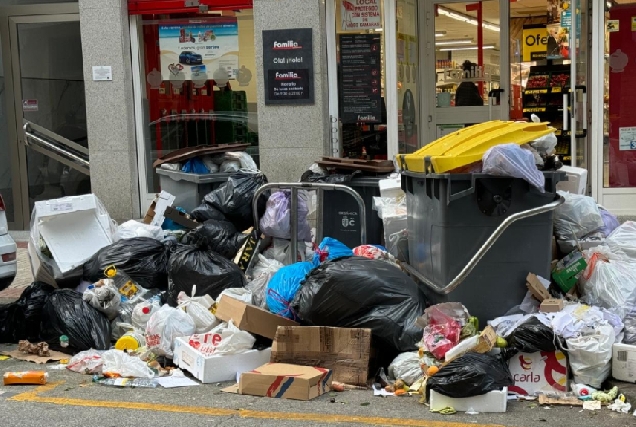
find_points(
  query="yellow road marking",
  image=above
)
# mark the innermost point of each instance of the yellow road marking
(35, 396)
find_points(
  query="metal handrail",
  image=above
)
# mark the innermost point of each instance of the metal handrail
(320, 187)
(61, 149)
(445, 290)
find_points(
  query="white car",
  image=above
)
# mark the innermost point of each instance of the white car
(8, 251)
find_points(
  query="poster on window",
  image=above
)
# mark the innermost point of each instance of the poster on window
(198, 51)
(358, 15)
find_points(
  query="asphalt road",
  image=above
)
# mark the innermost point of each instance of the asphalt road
(71, 399)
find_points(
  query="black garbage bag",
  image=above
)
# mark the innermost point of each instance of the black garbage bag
(20, 320)
(234, 198)
(472, 374)
(533, 336)
(217, 236)
(210, 272)
(205, 212)
(143, 259)
(334, 178)
(66, 313)
(363, 293)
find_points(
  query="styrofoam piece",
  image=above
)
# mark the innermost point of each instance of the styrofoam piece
(214, 369)
(624, 362)
(391, 187)
(495, 401)
(74, 228)
(577, 180)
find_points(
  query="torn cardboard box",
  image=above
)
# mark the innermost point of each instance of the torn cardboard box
(345, 351)
(544, 371)
(551, 305)
(280, 380)
(536, 288)
(156, 212)
(250, 318)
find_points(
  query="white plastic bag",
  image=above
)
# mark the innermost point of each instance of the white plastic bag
(406, 366)
(609, 281)
(578, 216)
(105, 298)
(143, 311)
(246, 161)
(261, 274)
(199, 309)
(241, 294)
(547, 143)
(230, 166)
(222, 340)
(280, 249)
(512, 160)
(119, 363)
(590, 355)
(623, 240)
(86, 362)
(132, 228)
(164, 326)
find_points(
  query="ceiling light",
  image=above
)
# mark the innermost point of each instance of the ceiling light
(467, 19)
(453, 48)
(453, 42)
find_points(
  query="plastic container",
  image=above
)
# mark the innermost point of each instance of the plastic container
(130, 341)
(340, 213)
(450, 216)
(189, 188)
(30, 377)
(142, 313)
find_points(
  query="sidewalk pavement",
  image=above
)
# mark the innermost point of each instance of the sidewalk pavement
(23, 279)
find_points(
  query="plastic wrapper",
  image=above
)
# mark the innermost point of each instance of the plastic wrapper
(164, 327)
(630, 328)
(282, 288)
(131, 229)
(261, 274)
(105, 298)
(406, 367)
(21, 319)
(143, 259)
(119, 364)
(609, 281)
(590, 355)
(276, 222)
(363, 293)
(234, 198)
(124, 321)
(86, 362)
(622, 241)
(239, 294)
(279, 251)
(210, 272)
(472, 374)
(577, 217)
(217, 236)
(514, 161)
(66, 313)
(442, 332)
(532, 337)
(371, 252)
(195, 165)
(225, 339)
(211, 164)
(610, 222)
(230, 166)
(198, 308)
(245, 160)
(331, 249)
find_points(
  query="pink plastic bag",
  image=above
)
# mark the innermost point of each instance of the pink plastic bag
(442, 332)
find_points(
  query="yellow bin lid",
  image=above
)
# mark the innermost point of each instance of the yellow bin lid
(468, 145)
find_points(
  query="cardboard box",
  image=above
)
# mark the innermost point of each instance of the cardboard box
(494, 401)
(286, 381)
(536, 288)
(567, 272)
(74, 229)
(542, 371)
(250, 318)
(156, 212)
(214, 369)
(180, 218)
(344, 351)
(624, 362)
(551, 305)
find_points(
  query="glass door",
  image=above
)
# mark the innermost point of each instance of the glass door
(50, 108)
(467, 71)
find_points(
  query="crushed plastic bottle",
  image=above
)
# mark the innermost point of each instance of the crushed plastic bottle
(126, 382)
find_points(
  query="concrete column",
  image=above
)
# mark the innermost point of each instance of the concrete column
(109, 107)
(292, 137)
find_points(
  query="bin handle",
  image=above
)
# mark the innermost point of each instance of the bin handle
(309, 186)
(445, 290)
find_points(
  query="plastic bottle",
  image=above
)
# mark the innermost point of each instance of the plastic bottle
(126, 382)
(132, 340)
(64, 342)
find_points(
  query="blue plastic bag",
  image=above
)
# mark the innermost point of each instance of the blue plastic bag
(283, 286)
(195, 165)
(610, 222)
(169, 224)
(331, 249)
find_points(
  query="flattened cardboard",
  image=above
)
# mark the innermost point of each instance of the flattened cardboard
(280, 380)
(345, 351)
(250, 318)
(55, 356)
(183, 154)
(536, 288)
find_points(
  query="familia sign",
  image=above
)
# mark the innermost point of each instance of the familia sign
(196, 51)
(288, 66)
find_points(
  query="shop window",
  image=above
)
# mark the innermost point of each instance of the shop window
(200, 83)
(407, 76)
